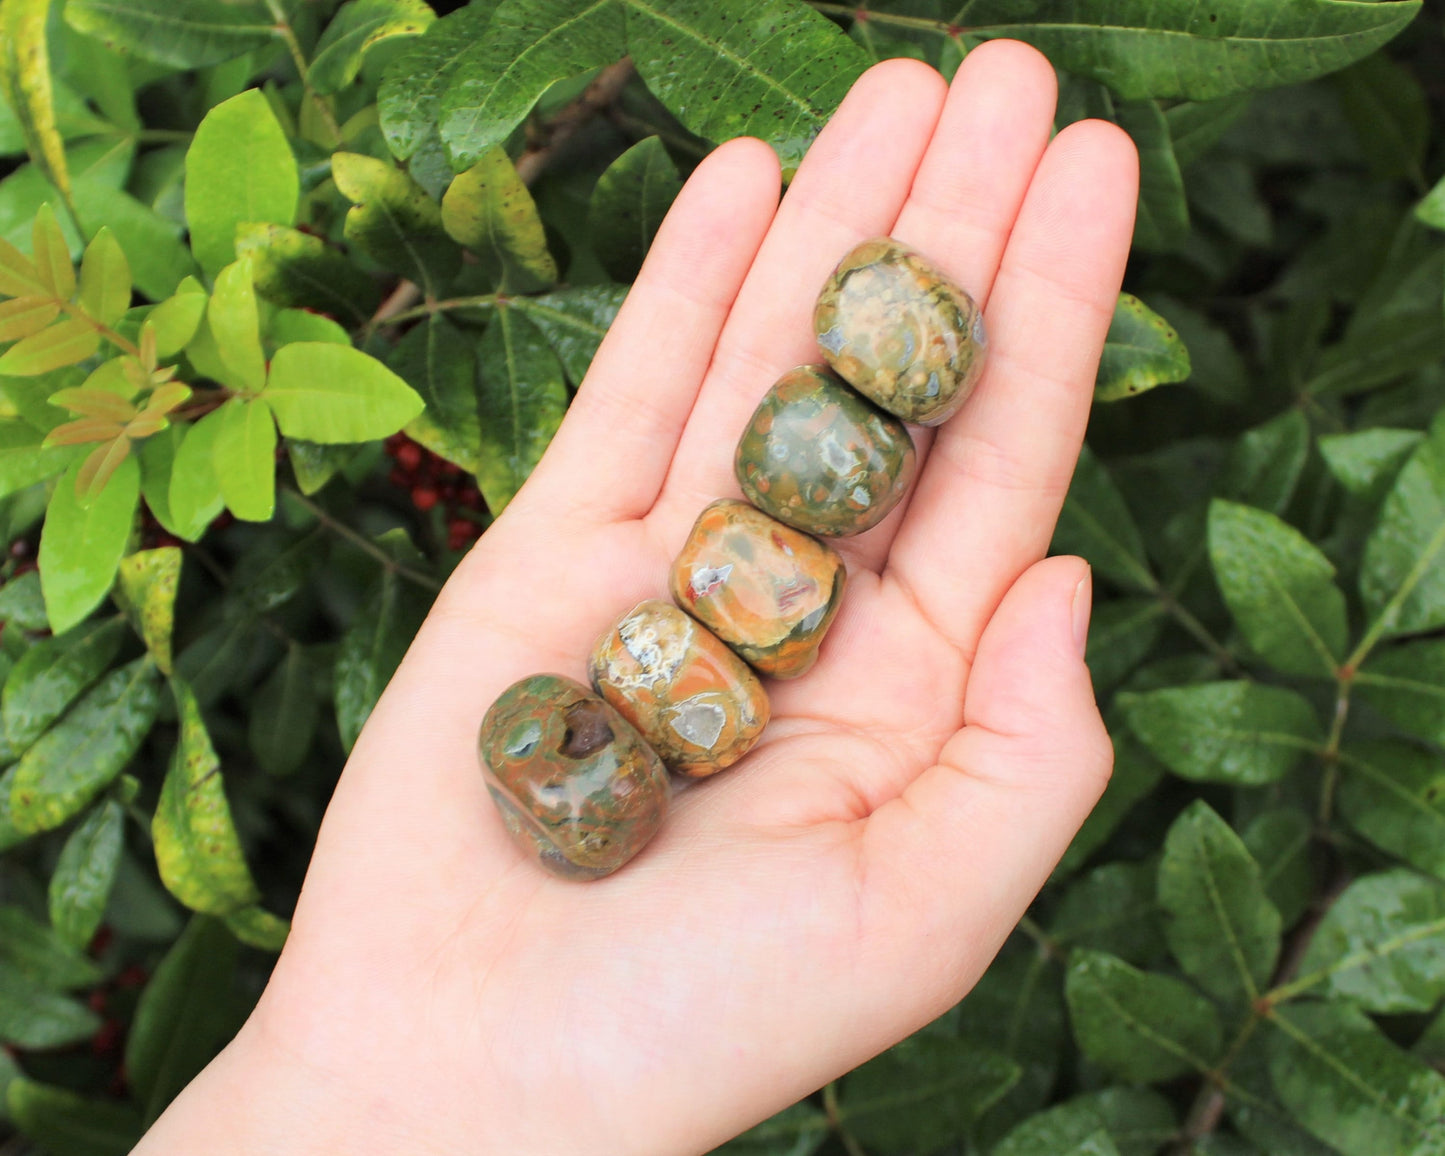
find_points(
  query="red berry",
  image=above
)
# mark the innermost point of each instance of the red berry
(423, 498)
(408, 456)
(101, 939)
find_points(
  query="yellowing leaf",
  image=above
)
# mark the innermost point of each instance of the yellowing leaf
(148, 583)
(489, 210)
(26, 85)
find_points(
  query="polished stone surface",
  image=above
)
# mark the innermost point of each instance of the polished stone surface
(900, 333)
(767, 590)
(696, 703)
(577, 786)
(821, 458)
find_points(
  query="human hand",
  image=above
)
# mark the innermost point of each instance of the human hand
(851, 878)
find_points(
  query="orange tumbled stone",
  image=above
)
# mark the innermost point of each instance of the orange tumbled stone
(769, 591)
(695, 702)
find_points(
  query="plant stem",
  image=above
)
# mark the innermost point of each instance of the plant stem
(1331, 754)
(105, 331)
(942, 27)
(1201, 634)
(363, 543)
(298, 58)
(480, 301)
(1046, 943)
(835, 1121)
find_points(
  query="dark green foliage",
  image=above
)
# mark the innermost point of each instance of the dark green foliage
(292, 299)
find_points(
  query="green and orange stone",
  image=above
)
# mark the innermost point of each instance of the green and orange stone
(695, 702)
(900, 332)
(577, 786)
(821, 458)
(767, 590)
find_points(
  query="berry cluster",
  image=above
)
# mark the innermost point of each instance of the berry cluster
(433, 482)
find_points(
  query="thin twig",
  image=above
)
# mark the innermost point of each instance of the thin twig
(298, 58)
(558, 130)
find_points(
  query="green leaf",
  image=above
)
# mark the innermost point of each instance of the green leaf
(1121, 633)
(1388, 110)
(1096, 524)
(1378, 352)
(287, 326)
(194, 489)
(191, 34)
(1351, 1087)
(523, 398)
(922, 1094)
(85, 873)
(245, 459)
(297, 269)
(24, 317)
(65, 343)
(1133, 1121)
(1266, 462)
(158, 260)
(574, 321)
(333, 394)
(528, 46)
(394, 222)
(316, 465)
(777, 75)
(1431, 210)
(10, 835)
(1112, 908)
(1227, 194)
(1401, 580)
(52, 674)
(371, 650)
(81, 545)
(1136, 773)
(796, 1131)
(489, 210)
(139, 906)
(411, 91)
(176, 319)
(184, 1015)
(39, 954)
(80, 755)
(355, 29)
(1381, 945)
(1198, 53)
(1140, 1026)
(1220, 924)
(284, 715)
(1280, 842)
(628, 205)
(149, 580)
(1162, 221)
(1367, 462)
(25, 84)
(68, 1123)
(1224, 732)
(197, 849)
(1141, 351)
(105, 282)
(239, 169)
(33, 1017)
(258, 928)
(22, 606)
(236, 325)
(1394, 795)
(22, 460)
(1406, 684)
(1280, 589)
(437, 360)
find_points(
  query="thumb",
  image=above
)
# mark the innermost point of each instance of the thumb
(961, 853)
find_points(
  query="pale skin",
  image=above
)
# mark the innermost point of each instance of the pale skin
(853, 877)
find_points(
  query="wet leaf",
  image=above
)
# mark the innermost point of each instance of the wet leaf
(488, 210)
(628, 205)
(212, 31)
(148, 583)
(394, 222)
(32, 1017)
(1394, 794)
(356, 28)
(574, 321)
(85, 873)
(294, 268)
(52, 674)
(439, 361)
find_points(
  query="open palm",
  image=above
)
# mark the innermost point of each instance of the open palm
(854, 875)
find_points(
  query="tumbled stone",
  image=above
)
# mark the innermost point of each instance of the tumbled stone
(767, 590)
(577, 786)
(821, 458)
(695, 702)
(900, 333)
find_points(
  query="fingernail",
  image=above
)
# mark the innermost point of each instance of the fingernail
(1083, 607)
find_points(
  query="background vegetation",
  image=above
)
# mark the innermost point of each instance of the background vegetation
(292, 296)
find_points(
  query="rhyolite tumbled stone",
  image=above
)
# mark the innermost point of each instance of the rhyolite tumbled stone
(900, 332)
(577, 786)
(821, 458)
(769, 591)
(695, 702)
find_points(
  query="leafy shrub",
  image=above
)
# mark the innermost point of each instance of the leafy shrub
(374, 249)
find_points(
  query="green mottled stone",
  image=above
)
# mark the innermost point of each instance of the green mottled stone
(822, 459)
(900, 332)
(577, 786)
